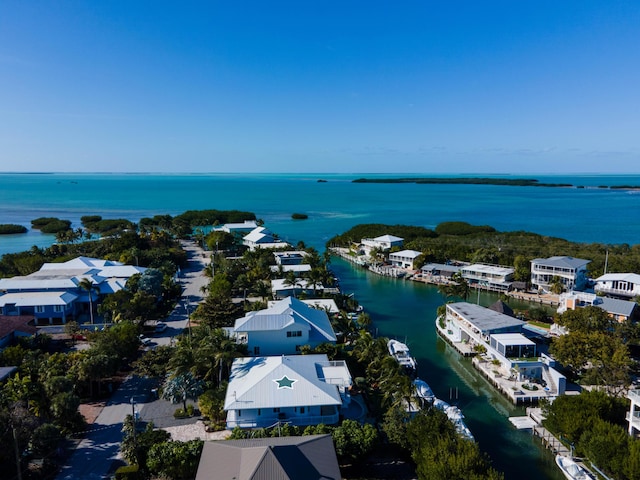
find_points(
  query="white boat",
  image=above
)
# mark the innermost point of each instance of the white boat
(571, 470)
(401, 353)
(455, 416)
(423, 390)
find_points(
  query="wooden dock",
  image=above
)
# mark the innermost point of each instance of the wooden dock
(551, 442)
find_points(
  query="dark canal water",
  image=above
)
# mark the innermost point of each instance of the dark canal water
(407, 310)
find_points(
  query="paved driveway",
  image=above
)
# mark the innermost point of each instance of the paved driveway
(95, 455)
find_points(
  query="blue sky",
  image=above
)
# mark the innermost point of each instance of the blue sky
(320, 86)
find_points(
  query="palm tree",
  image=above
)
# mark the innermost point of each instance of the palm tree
(87, 285)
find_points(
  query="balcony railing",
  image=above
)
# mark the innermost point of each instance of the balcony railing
(302, 420)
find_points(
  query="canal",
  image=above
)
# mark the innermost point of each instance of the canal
(406, 310)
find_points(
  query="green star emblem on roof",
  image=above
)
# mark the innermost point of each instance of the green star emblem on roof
(285, 382)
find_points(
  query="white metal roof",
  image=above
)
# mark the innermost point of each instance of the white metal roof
(508, 339)
(491, 269)
(406, 254)
(32, 299)
(388, 238)
(280, 381)
(284, 313)
(625, 277)
(304, 267)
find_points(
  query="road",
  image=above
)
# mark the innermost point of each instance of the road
(95, 455)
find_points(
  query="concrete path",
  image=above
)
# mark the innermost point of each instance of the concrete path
(95, 455)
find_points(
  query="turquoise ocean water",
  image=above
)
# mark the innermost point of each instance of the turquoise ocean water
(401, 309)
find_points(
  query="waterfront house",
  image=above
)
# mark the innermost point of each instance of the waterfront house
(621, 285)
(237, 228)
(53, 294)
(383, 242)
(281, 288)
(440, 272)
(633, 417)
(488, 277)
(404, 259)
(310, 457)
(572, 272)
(283, 328)
(297, 389)
(260, 237)
(471, 328)
(329, 305)
(620, 310)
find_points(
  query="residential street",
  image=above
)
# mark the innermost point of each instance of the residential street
(95, 454)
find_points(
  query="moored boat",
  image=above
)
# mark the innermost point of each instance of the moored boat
(401, 353)
(571, 470)
(423, 390)
(455, 416)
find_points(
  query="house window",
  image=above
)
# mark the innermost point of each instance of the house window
(39, 309)
(239, 413)
(57, 308)
(259, 412)
(276, 410)
(256, 350)
(297, 333)
(301, 409)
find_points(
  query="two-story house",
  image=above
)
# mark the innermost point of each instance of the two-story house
(283, 328)
(571, 272)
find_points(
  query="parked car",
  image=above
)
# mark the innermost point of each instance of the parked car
(161, 327)
(144, 340)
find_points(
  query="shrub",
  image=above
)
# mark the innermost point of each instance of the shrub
(128, 472)
(10, 228)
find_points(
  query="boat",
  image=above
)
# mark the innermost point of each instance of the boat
(455, 416)
(571, 470)
(423, 390)
(400, 352)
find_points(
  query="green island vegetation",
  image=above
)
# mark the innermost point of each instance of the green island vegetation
(299, 216)
(517, 182)
(50, 224)
(10, 229)
(484, 244)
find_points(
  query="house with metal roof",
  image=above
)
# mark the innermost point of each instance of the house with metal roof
(383, 242)
(488, 277)
(620, 310)
(468, 326)
(572, 272)
(53, 295)
(297, 389)
(290, 257)
(237, 228)
(404, 258)
(621, 285)
(260, 237)
(310, 457)
(283, 328)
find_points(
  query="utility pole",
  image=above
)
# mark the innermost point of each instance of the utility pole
(15, 445)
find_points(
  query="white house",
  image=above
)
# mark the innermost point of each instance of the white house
(237, 228)
(383, 242)
(404, 258)
(572, 272)
(297, 389)
(52, 294)
(489, 277)
(302, 268)
(625, 285)
(260, 237)
(281, 288)
(501, 336)
(283, 328)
